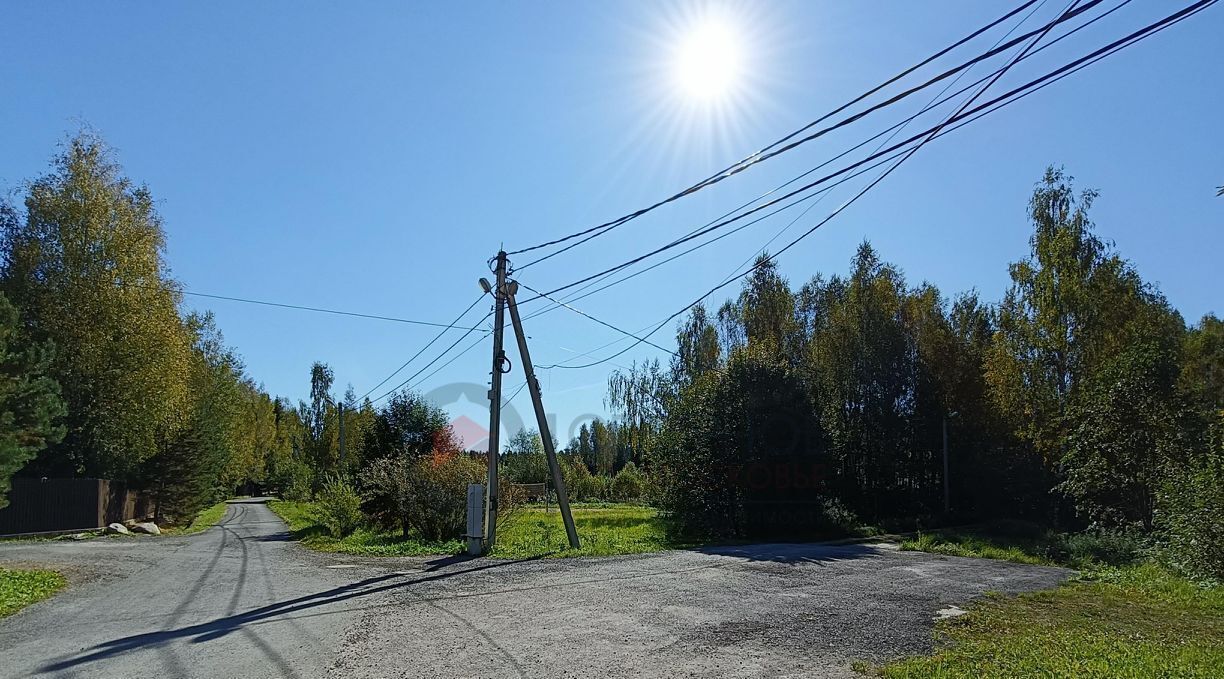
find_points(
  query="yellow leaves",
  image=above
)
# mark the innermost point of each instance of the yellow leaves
(88, 274)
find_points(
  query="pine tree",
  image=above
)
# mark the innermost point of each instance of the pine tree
(30, 404)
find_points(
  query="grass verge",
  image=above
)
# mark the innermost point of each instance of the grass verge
(535, 531)
(603, 530)
(1129, 619)
(1133, 621)
(304, 525)
(20, 588)
(1026, 543)
(207, 518)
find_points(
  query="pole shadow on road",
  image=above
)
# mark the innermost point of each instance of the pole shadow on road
(220, 627)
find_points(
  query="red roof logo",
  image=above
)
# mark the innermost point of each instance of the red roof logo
(471, 435)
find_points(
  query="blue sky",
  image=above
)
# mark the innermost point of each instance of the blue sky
(372, 156)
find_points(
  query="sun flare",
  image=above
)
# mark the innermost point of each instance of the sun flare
(709, 60)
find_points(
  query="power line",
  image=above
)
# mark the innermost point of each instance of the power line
(579, 294)
(603, 323)
(592, 351)
(772, 150)
(749, 158)
(454, 358)
(512, 396)
(477, 343)
(900, 145)
(436, 359)
(1046, 80)
(422, 349)
(937, 101)
(285, 305)
(1131, 39)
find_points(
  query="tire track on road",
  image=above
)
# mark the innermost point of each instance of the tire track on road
(300, 630)
(169, 657)
(260, 645)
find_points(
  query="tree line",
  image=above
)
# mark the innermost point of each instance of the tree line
(1081, 399)
(105, 376)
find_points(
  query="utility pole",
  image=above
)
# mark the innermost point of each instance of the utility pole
(340, 412)
(947, 496)
(533, 385)
(495, 397)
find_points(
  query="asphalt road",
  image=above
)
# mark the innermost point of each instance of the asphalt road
(241, 600)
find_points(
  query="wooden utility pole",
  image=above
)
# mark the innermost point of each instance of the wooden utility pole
(340, 412)
(495, 395)
(533, 385)
(947, 493)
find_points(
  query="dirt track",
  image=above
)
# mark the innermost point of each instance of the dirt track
(241, 600)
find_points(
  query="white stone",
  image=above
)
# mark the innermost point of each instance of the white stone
(147, 527)
(949, 612)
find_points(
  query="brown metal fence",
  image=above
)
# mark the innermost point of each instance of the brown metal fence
(531, 491)
(47, 505)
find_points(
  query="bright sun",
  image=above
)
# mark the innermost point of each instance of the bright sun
(709, 60)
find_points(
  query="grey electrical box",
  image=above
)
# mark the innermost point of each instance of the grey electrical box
(475, 518)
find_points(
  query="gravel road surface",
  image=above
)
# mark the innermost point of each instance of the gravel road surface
(241, 600)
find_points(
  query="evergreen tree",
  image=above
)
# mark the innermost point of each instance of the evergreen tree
(188, 472)
(30, 404)
(603, 447)
(586, 450)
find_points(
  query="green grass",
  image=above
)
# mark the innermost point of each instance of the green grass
(976, 546)
(302, 518)
(20, 588)
(603, 530)
(1121, 617)
(207, 518)
(1134, 621)
(1026, 543)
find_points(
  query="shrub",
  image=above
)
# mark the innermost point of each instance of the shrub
(583, 486)
(383, 485)
(435, 502)
(428, 495)
(339, 507)
(1112, 548)
(752, 420)
(602, 486)
(837, 517)
(628, 484)
(1190, 518)
(578, 480)
(295, 482)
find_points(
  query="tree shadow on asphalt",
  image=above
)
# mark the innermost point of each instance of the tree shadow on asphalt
(220, 627)
(291, 535)
(792, 553)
